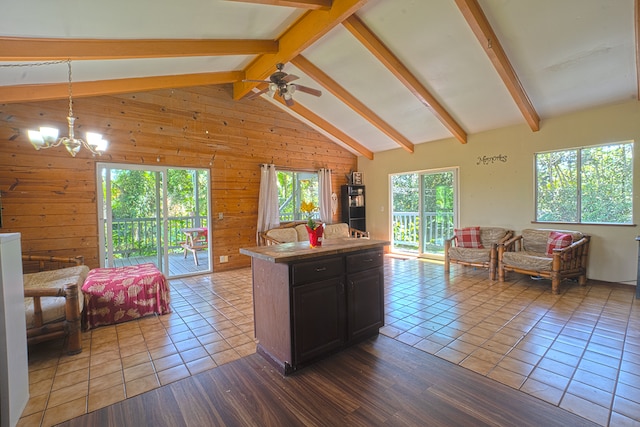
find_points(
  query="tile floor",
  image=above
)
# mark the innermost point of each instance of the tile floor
(579, 350)
(211, 324)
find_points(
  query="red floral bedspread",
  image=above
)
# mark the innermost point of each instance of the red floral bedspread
(115, 295)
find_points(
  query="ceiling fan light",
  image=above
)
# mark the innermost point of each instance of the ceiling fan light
(286, 96)
(273, 87)
(291, 88)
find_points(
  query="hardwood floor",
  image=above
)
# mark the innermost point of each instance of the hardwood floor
(378, 382)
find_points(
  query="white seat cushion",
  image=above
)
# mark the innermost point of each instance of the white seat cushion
(283, 235)
(527, 260)
(336, 231)
(303, 234)
(53, 308)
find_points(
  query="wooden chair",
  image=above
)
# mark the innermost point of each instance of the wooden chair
(53, 299)
(485, 257)
(528, 253)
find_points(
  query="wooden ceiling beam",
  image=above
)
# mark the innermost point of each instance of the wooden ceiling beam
(481, 27)
(301, 4)
(306, 31)
(402, 73)
(45, 92)
(328, 128)
(356, 105)
(39, 49)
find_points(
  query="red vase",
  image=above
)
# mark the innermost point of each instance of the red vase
(315, 235)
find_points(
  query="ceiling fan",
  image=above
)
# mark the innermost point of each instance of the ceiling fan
(280, 84)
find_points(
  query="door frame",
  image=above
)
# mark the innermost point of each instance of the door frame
(162, 208)
(456, 207)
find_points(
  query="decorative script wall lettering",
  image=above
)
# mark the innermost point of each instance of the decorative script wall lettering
(485, 160)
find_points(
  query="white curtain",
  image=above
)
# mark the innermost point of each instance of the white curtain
(268, 211)
(324, 195)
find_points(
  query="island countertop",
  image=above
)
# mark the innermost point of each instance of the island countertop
(288, 252)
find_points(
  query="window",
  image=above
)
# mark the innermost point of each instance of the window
(295, 187)
(586, 185)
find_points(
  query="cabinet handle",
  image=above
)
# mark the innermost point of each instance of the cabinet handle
(351, 284)
(318, 270)
(341, 288)
(368, 260)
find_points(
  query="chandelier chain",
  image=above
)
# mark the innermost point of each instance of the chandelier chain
(70, 99)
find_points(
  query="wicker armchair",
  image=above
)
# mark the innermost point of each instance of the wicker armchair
(530, 253)
(486, 257)
(53, 299)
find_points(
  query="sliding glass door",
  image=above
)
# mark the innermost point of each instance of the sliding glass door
(423, 211)
(154, 214)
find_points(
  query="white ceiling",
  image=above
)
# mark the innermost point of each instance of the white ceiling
(568, 55)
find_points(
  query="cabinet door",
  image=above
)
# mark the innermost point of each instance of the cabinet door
(318, 318)
(365, 303)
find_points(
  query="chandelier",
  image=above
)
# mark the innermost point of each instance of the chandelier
(47, 137)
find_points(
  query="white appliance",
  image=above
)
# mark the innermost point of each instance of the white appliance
(14, 369)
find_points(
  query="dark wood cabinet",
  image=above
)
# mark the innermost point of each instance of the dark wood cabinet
(365, 294)
(365, 304)
(307, 309)
(319, 319)
(353, 206)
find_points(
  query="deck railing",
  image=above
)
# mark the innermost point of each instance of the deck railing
(139, 236)
(406, 230)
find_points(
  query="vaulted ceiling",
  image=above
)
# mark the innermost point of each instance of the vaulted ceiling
(394, 73)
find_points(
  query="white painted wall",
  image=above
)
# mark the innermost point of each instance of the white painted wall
(502, 193)
(14, 369)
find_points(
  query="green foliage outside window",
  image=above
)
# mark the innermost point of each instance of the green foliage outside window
(293, 189)
(588, 185)
(134, 207)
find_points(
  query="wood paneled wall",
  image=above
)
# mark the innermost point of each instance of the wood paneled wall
(50, 197)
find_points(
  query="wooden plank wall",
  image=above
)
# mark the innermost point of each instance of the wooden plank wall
(50, 197)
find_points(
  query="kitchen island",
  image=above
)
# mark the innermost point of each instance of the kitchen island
(311, 302)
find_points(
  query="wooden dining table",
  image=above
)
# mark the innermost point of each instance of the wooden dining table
(196, 239)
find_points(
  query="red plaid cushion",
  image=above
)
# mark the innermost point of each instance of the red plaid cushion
(557, 240)
(468, 237)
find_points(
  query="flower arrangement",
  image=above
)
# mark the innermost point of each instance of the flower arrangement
(309, 208)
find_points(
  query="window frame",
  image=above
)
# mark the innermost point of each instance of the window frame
(579, 196)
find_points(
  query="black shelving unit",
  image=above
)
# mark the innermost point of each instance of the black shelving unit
(353, 206)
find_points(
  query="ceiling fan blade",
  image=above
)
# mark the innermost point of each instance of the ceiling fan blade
(253, 95)
(257, 81)
(310, 91)
(290, 78)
